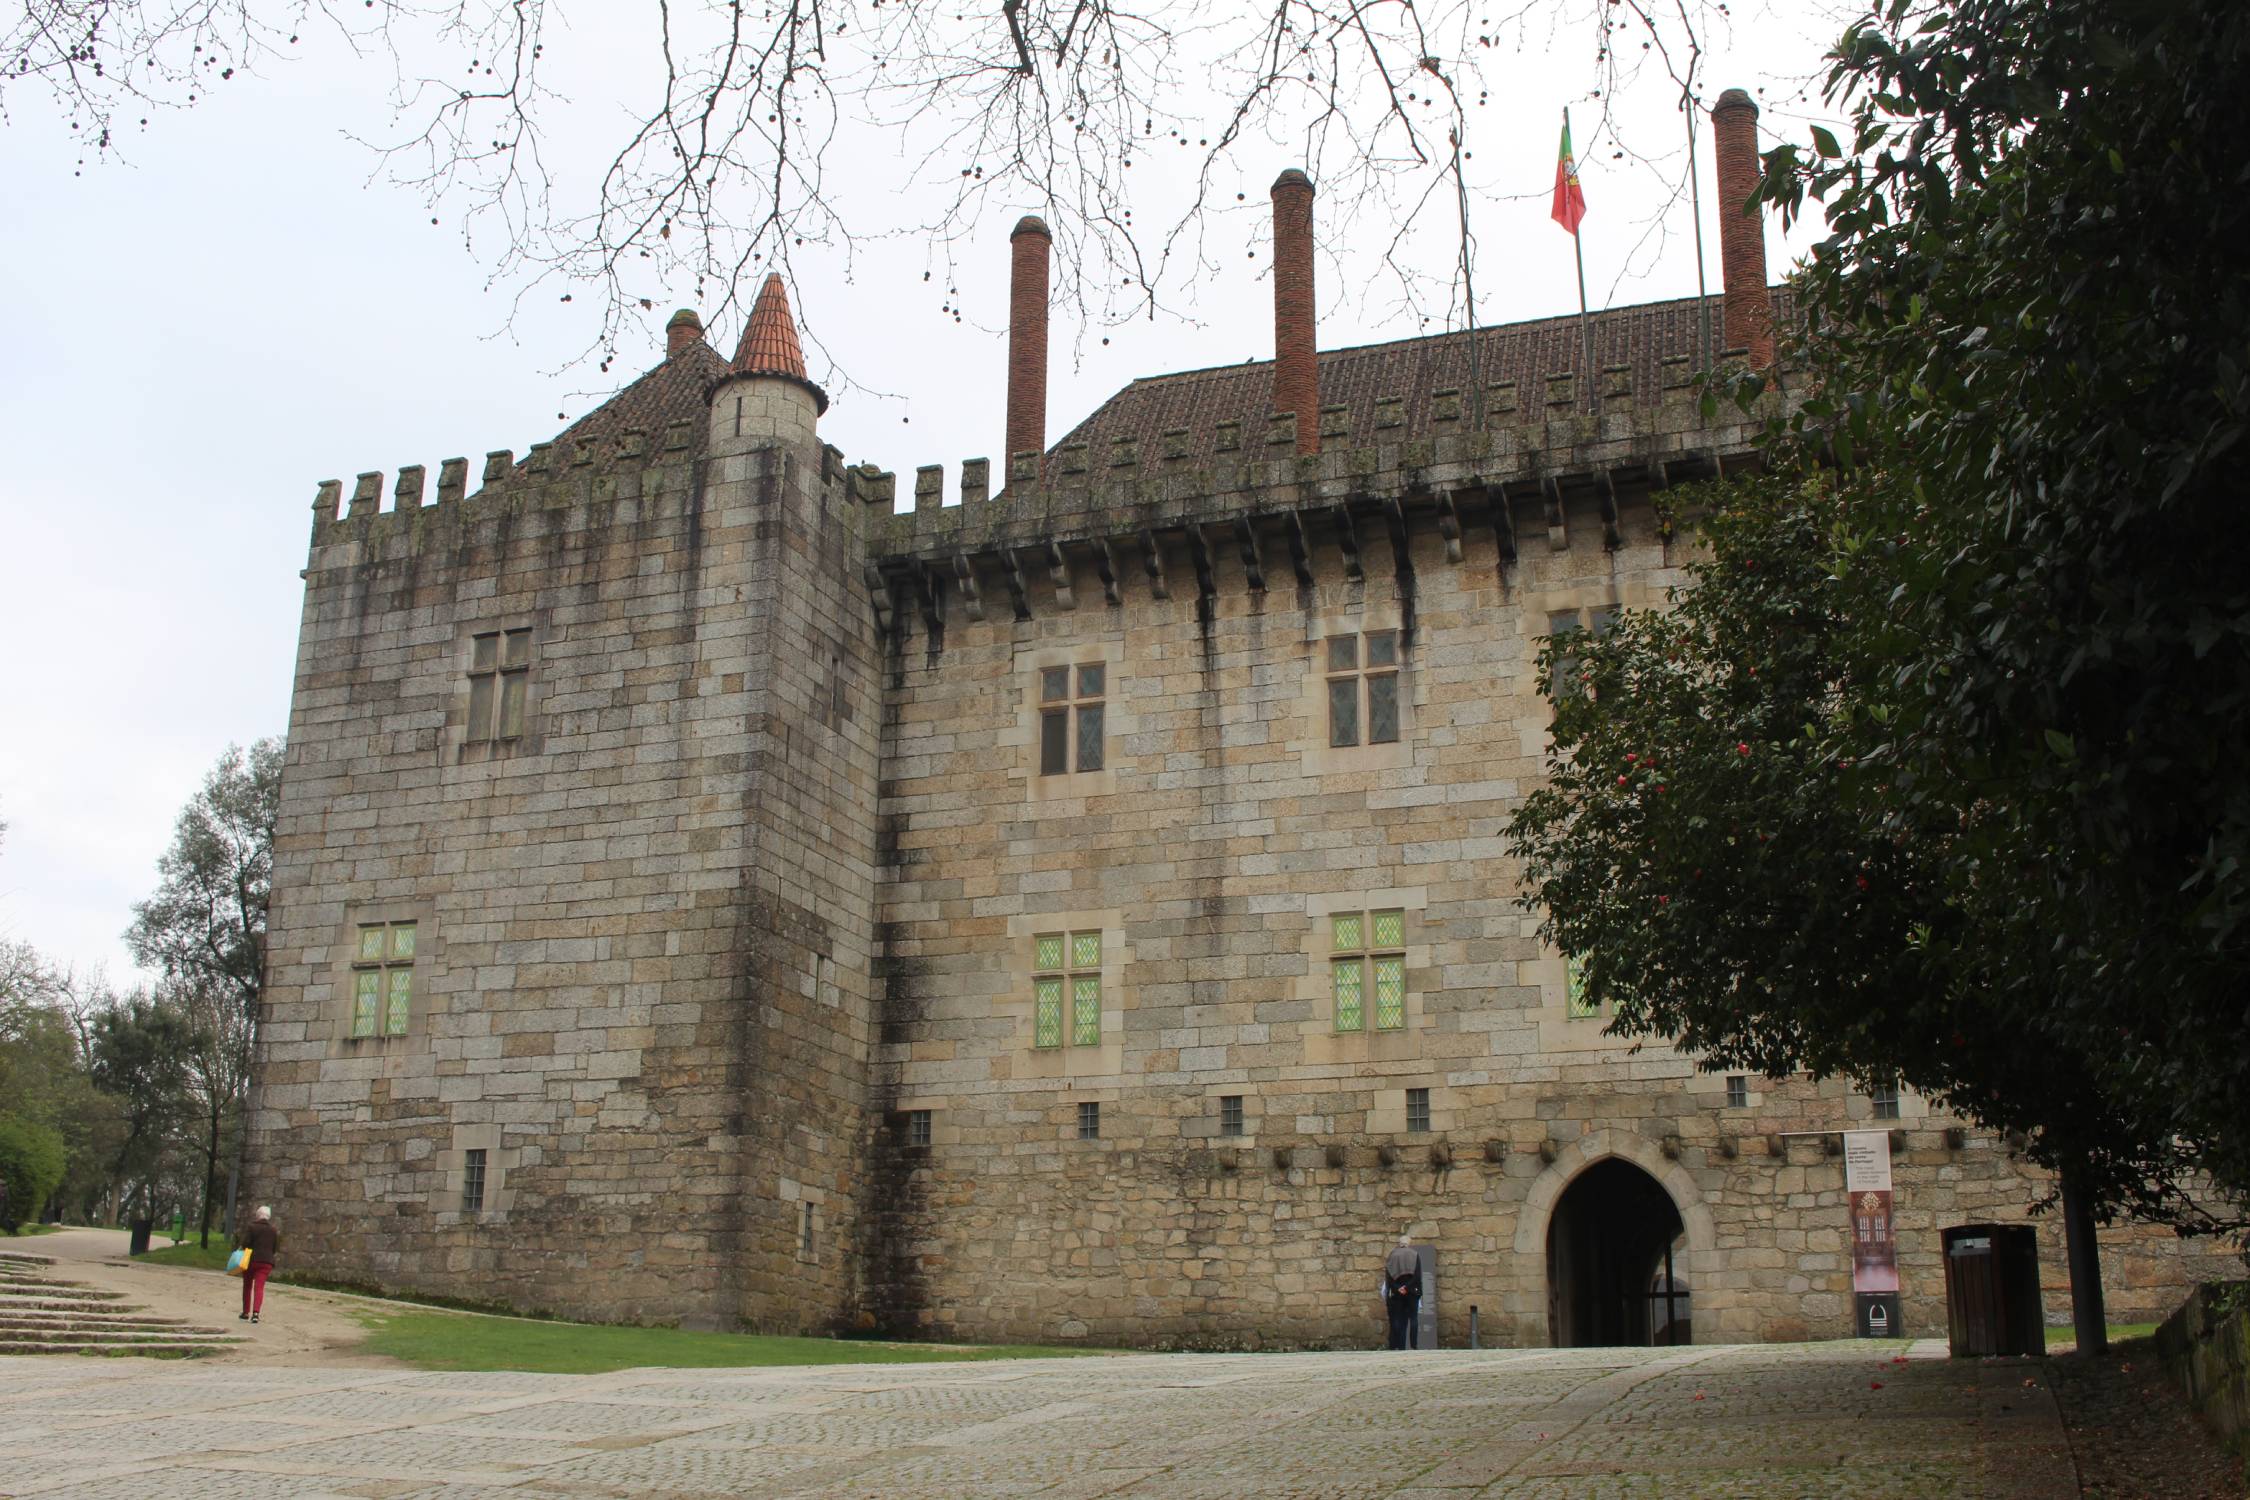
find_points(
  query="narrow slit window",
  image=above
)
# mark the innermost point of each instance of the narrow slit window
(472, 1181)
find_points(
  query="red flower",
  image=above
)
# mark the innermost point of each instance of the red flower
(1874, 1385)
(1742, 747)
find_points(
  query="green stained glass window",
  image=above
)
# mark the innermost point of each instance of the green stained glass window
(1046, 1019)
(366, 990)
(1390, 929)
(1086, 1010)
(1344, 933)
(402, 1002)
(371, 944)
(402, 940)
(1049, 951)
(1085, 950)
(1390, 994)
(1347, 974)
(1581, 1003)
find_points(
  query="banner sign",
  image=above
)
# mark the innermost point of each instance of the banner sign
(1867, 1187)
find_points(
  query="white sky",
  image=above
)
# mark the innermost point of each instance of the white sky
(243, 307)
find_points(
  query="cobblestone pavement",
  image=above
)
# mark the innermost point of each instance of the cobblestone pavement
(1745, 1423)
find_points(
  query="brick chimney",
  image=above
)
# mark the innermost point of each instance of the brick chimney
(1296, 358)
(682, 333)
(1742, 229)
(1029, 248)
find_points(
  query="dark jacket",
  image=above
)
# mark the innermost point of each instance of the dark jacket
(264, 1242)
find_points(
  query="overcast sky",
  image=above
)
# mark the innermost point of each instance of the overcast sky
(243, 306)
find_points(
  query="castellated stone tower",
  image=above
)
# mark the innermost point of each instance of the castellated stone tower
(568, 1000)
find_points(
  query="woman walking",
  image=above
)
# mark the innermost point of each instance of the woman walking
(263, 1242)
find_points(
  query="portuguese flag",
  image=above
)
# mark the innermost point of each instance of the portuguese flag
(1570, 199)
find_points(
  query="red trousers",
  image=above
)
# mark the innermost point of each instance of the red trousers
(254, 1288)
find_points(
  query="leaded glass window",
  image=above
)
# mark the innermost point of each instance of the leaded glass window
(499, 684)
(1367, 952)
(1066, 967)
(1363, 688)
(383, 979)
(1579, 1001)
(1071, 718)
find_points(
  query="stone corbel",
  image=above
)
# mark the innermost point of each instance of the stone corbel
(1449, 525)
(1246, 541)
(1613, 536)
(1105, 568)
(1152, 562)
(1012, 571)
(1503, 521)
(879, 594)
(1199, 553)
(1558, 528)
(1300, 549)
(972, 600)
(1347, 537)
(1058, 573)
(929, 589)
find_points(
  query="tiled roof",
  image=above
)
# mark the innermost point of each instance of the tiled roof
(1198, 400)
(672, 392)
(769, 340)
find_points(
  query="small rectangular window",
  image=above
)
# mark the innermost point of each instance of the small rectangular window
(1071, 731)
(1230, 1114)
(1417, 1109)
(472, 1181)
(1369, 958)
(499, 684)
(1886, 1102)
(1738, 1091)
(1089, 1120)
(1343, 711)
(1579, 1001)
(918, 1128)
(383, 979)
(1363, 689)
(808, 1223)
(1066, 989)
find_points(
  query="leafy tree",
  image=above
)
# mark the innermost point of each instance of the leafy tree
(31, 1168)
(204, 931)
(138, 1057)
(1984, 826)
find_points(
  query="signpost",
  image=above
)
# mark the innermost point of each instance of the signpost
(1867, 1190)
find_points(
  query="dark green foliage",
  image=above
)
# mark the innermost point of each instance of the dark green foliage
(31, 1164)
(2005, 656)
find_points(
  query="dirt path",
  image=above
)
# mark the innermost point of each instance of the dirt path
(298, 1328)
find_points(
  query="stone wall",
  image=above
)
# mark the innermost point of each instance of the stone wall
(642, 923)
(2206, 1349)
(1210, 852)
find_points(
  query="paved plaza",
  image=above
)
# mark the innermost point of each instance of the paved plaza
(1747, 1422)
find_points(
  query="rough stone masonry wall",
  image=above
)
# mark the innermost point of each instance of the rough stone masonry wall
(808, 894)
(1209, 852)
(591, 950)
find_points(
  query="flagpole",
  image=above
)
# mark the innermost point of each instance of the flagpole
(1585, 323)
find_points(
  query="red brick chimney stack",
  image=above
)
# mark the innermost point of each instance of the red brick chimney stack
(682, 333)
(1742, 229)
(1029, 246)
(1296, 358)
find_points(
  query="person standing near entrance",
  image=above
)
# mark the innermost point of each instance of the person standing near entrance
(1402, 1292)
(264, 1243)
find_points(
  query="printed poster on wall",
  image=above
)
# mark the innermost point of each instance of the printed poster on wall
(1867, 1185)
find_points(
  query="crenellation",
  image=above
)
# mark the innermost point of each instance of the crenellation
(367, 494)
(406, 494)
(453, 476)
(929, 488)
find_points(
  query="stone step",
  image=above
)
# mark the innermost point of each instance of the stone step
(19, 1258)
(177, 1348)
(21, 1321)
(63, 1303)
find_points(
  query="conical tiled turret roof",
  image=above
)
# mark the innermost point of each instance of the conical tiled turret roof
(769, 343)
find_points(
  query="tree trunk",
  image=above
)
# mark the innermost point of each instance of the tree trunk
(210, 1172)
(2085, 1256)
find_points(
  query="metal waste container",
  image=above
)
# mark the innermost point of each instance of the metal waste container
(1992, 1290)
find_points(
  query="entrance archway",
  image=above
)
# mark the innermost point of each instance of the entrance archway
(1615, 1243)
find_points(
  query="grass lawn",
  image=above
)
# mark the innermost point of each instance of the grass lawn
(188, 1253)
(469, 1341)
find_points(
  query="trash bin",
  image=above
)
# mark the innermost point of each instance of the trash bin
(142, 1229)
(1992, 1290)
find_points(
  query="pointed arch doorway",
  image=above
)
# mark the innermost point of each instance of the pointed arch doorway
(1615, 1243)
